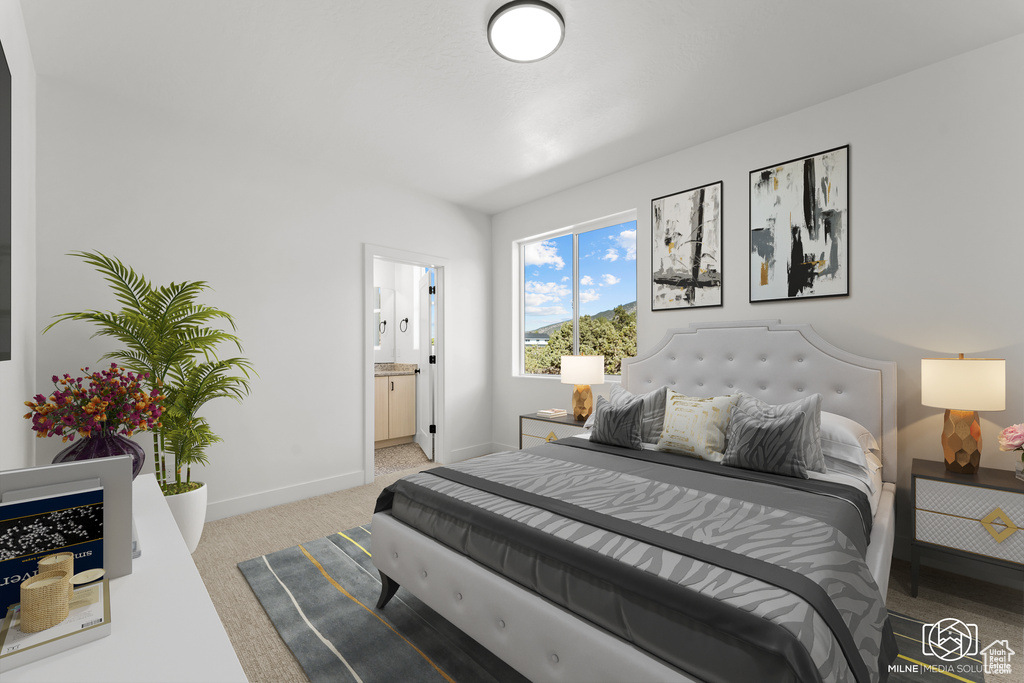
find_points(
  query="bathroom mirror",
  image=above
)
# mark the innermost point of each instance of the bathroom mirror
(384, 320)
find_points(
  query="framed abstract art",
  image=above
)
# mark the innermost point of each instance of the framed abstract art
(686, 249)
(800, 228)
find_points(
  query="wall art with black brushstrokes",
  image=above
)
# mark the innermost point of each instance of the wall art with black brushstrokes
(686, 249)
(800, 228)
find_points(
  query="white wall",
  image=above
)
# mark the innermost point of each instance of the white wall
(280, 242)
(936, 240)
(17, 376)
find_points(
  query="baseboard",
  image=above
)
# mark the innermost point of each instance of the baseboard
(288, 494)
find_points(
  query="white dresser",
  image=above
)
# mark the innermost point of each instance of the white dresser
(535, 430)
(979, 516)
(164, 627)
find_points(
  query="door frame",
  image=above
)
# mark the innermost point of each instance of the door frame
(371, 252)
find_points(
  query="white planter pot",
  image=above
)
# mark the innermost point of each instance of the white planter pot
(189, 510)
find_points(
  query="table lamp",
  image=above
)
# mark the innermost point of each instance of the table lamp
(582, 371)
(970, 384)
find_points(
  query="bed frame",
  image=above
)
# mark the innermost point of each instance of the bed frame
(778, 364)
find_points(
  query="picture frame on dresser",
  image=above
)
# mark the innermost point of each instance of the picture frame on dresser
(975, 517)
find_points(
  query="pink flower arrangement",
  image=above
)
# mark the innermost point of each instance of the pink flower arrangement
(1012, 439)
(113, 401)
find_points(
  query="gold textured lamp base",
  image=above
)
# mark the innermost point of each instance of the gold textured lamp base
(961, 441)
(582, 401)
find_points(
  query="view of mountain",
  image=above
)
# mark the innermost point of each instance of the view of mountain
(548, 329)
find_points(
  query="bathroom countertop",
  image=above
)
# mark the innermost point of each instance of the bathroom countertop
(392, 369)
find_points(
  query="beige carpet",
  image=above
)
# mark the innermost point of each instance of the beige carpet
(397, 458)
(226, 542)
(998, 611)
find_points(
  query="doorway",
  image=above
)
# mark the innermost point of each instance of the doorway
(404, 368)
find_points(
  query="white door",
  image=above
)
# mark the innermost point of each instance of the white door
(425, 384)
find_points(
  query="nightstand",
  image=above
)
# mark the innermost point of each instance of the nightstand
(534, 429)
(978, 516)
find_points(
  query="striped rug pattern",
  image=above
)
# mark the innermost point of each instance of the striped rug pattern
(321, 598)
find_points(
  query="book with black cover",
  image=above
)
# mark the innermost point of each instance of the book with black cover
(31, 529)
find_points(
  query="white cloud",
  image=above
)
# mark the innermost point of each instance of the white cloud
(565, 279)
(543, 254)
(611, 255)
(538, 293)
(588, 295)
(610, 279)
(627, 240)
(586, 280)
(547, 310)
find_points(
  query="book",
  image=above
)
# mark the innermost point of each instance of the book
(33, 528)
(552, 412)
(88, 619)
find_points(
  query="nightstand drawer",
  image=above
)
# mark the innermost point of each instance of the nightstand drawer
(548, 431)
(973, 502)
(970, 535)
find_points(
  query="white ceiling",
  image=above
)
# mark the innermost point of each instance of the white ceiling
(409, 91)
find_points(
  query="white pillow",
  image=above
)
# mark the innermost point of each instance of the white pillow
(696, 426)
(845, 441)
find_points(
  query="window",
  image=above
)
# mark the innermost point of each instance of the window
(578, 294)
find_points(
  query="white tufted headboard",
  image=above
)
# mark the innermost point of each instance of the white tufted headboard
(778, 364)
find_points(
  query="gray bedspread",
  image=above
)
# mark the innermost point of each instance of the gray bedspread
(724, 575)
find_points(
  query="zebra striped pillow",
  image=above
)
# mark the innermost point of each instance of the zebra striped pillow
(766, 444)
(618, 425)
(808, 447)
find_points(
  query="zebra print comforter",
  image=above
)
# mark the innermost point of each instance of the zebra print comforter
(725, 577)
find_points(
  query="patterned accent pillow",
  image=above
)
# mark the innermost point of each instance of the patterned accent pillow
(766, 444)
(618, 425)
(654, 410)
(696, 426)
(808, 447)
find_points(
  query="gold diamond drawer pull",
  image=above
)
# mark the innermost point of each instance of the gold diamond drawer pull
(998, 515)
(552, 437)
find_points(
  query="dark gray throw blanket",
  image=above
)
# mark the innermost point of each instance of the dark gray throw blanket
(724, 577)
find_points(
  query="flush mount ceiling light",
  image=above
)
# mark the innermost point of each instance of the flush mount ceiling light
(525, 30)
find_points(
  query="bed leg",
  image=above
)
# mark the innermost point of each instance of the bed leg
(388, 588)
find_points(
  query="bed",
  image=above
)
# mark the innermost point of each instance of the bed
(540, 558)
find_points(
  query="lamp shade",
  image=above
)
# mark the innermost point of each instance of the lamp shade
(964, 383)
(525, 30)
(582, 369)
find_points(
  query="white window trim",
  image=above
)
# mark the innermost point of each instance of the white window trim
(519, 299)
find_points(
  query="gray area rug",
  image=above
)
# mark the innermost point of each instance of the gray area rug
(321, 598)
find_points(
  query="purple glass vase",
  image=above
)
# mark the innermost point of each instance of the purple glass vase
(104, 446)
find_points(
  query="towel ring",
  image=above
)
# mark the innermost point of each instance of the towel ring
(404, 325)
(383, 326)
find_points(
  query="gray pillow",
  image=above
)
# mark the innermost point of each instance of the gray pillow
(766, 444)
(654, 411)
(808, 447)
(618, 425)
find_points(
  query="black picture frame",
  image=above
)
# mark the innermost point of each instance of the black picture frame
(6, 282)
(809, 257)
(686, 248)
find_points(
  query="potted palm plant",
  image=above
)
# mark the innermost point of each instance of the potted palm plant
(168, 337)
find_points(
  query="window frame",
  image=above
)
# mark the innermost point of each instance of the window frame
(519, 285)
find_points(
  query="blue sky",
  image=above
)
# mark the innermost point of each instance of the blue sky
(607, 273)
